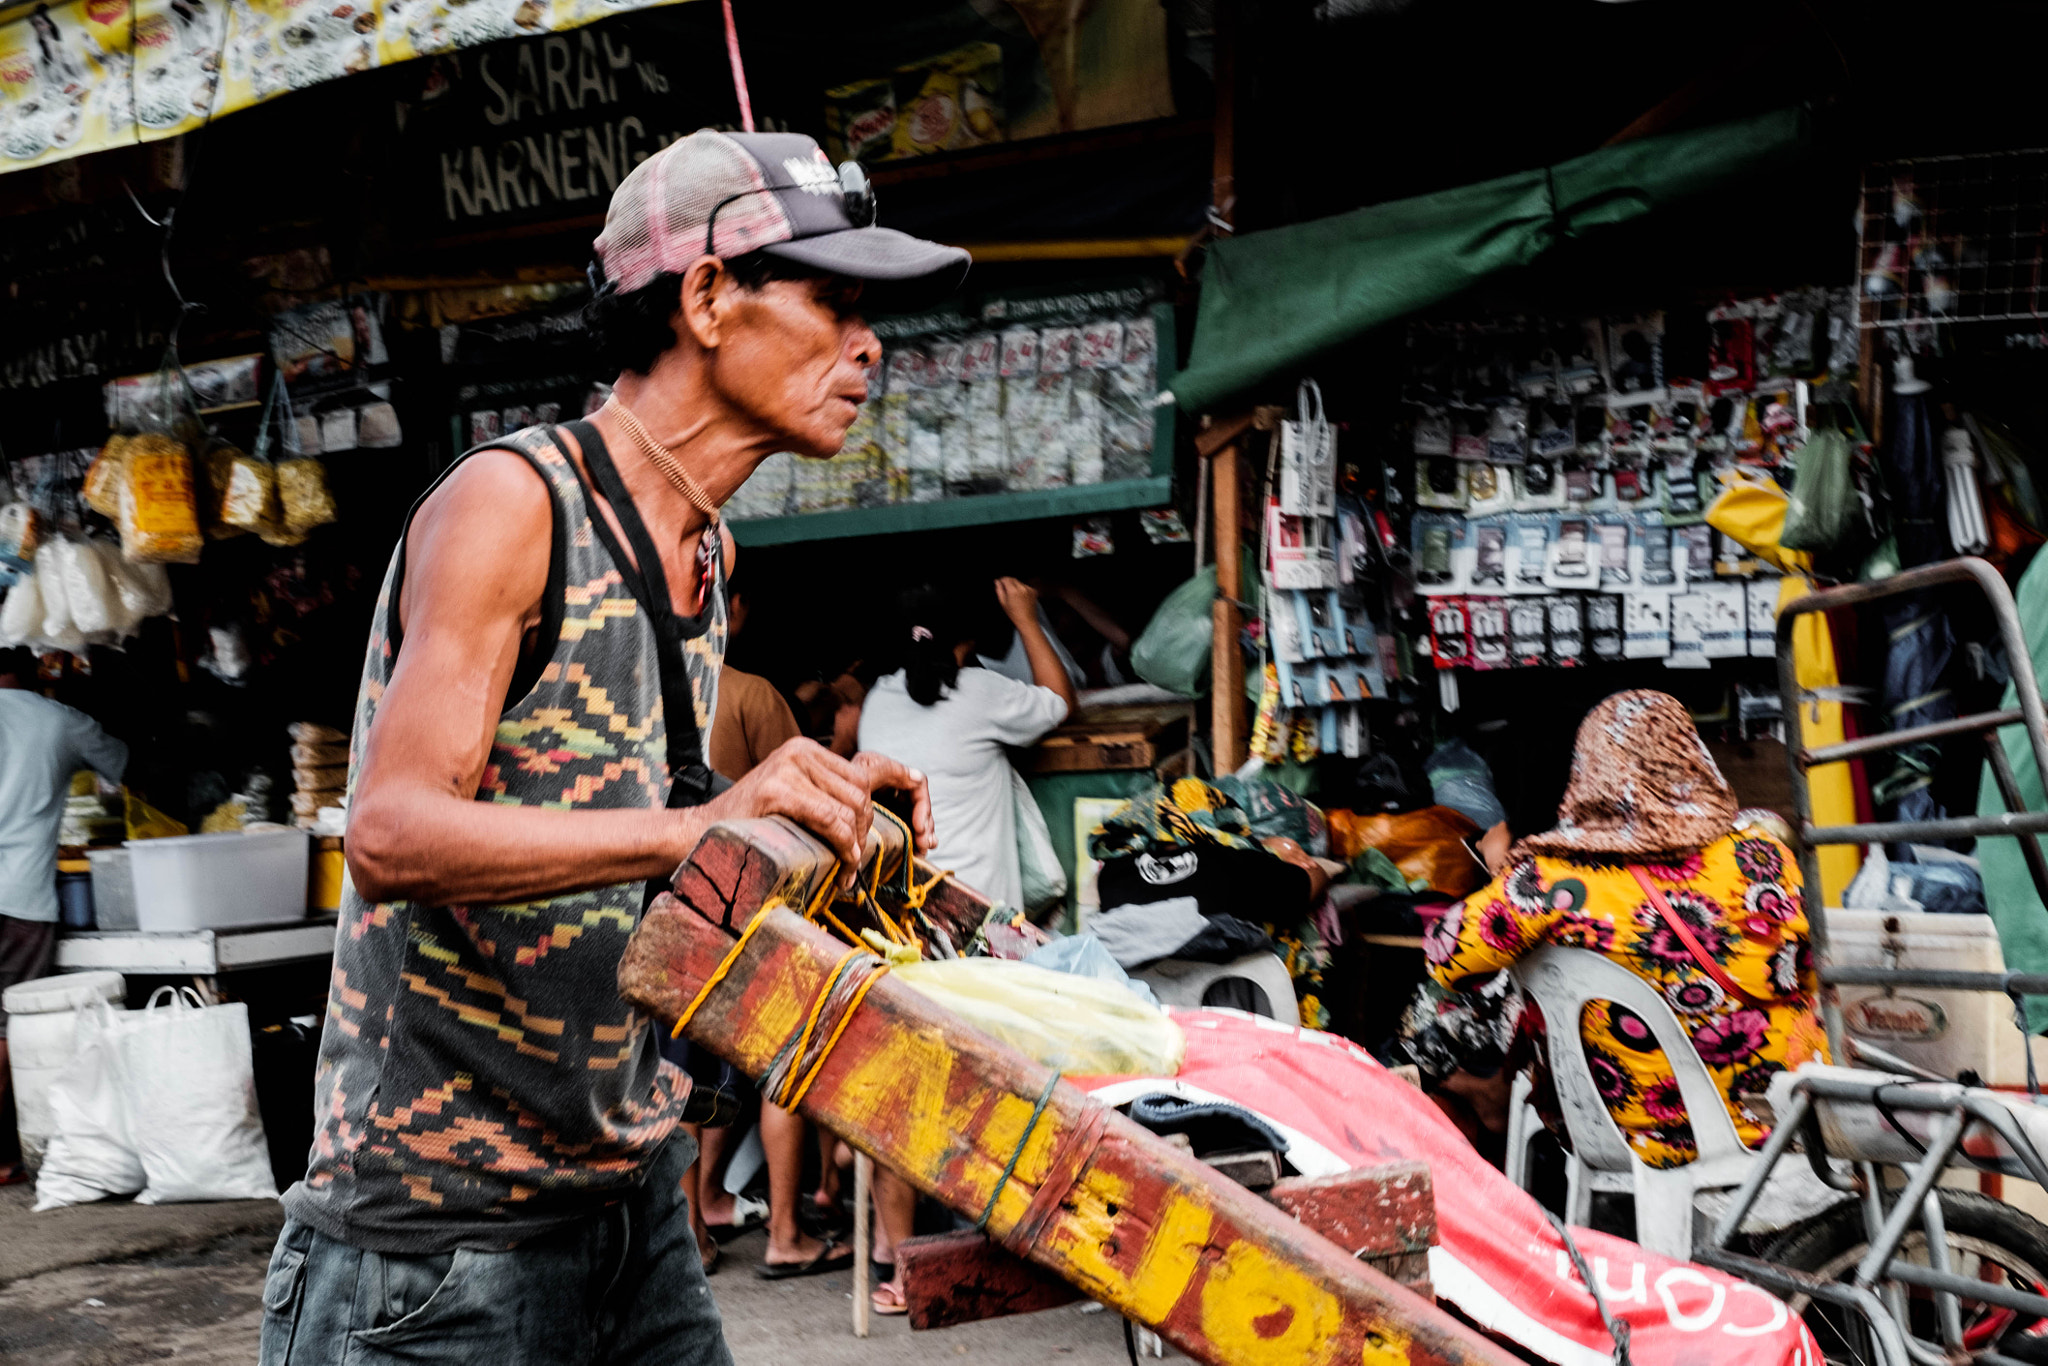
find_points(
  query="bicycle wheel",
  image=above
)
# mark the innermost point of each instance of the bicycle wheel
(1987, 1240)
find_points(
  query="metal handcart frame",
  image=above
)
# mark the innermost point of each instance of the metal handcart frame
(1876, 1292)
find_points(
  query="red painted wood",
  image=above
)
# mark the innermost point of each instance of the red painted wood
(1126, 1218)
(955, 1278)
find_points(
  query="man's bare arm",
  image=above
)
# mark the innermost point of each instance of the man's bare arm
(476, 566)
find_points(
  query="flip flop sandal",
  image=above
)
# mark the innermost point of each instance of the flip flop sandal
(882, 1271)
(816, 1266)
(713, 1257)
(886, 1300)
(823, 1223)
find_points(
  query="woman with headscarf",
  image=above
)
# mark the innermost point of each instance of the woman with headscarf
(1650, 865)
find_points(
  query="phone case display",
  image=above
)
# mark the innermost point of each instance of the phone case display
(1569, 462)
(1325, 646)
(1023, 393)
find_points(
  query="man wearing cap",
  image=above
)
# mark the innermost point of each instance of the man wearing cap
(495, 1172)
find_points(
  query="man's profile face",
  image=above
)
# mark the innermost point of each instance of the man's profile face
(795, 358)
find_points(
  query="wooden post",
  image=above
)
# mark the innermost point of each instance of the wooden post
(1055, 1177)
(1228, 735)
(863, 1188)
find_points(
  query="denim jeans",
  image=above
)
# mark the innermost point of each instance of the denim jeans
(623, 1288)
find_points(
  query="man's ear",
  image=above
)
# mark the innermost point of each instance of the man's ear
(700, 309)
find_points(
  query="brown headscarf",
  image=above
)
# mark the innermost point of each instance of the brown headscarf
(1642, 785)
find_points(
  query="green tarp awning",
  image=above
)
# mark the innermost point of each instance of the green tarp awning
(1273, 301)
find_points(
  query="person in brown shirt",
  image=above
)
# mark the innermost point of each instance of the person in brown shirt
(752, 722)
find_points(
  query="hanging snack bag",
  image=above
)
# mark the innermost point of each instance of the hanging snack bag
(159, 517)
(20, 530)
(103, 479)
(301, 481)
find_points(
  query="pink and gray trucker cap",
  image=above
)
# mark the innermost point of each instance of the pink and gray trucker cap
(733, 193)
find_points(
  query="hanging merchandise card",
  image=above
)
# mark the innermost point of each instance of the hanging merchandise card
(1528, 647)
(1572, 560)
(1283, 625)
(1308, 462)
(1489, 489)
(1567, 630)
(1726, 632)
(1645, 624)
(1102, 346)
(1486, 620)
(1689, 616)
(1654, 568)
(1528, 547)
(1440, 482)
(1019, 353)
(1603, 627)
(1449, 635)
(1615, 568)
(1056, 349)
(1762, 593)
(1489, 555)
(1431, 433)
(1299, 549)
(1439, 547)
(1696, 564)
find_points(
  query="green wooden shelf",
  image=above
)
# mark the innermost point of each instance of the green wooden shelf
(983, 510)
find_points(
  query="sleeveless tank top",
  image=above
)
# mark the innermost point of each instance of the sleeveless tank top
(480, 1082)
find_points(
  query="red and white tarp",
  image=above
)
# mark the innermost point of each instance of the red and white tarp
(1498, 1261)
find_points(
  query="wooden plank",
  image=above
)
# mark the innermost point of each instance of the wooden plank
(1228, 734)
(1128, 1220)
(962, 1277)
(1379, 1211)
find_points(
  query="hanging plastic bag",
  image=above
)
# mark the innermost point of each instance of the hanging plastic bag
(59, 630)
(20, 533)
(1173, 650)
(21, 613)
(1044, 881)
(1081, 1025)
(145, 589)
(90, 598)
(91, 1155)
(159, 518)
(192, 1098)
(302, 492)
(105, 476)
(1823, 502)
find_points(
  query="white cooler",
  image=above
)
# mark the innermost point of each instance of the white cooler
(1943, 1031)
(206, 882)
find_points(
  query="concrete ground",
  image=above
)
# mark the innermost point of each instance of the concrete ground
(115, 1284)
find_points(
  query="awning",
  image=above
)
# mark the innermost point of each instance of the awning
(1273, 301)
(79, 76)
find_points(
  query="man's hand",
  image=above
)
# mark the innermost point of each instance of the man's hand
(827, 795)
(1018, 599)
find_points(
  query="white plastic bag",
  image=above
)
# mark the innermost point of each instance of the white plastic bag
(192, 1098)
(90, 1156)
(92, 599)
(21, 615)
(1044, 879)
(145, 589)
(122, 617)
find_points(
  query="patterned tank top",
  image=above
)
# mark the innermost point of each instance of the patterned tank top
(480, 1081)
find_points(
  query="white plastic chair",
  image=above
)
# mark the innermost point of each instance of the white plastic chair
(1178, 982)
(1561, 981)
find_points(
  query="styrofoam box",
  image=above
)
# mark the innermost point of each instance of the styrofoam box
(204, 882)
(113, 889)
(1943, 1031)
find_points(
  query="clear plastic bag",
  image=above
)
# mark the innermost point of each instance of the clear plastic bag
(105, 476)
(21, 612)
(303, 498)
(1082, 1025)
(93, 602)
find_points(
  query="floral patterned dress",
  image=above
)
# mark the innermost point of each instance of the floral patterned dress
(1740, 898)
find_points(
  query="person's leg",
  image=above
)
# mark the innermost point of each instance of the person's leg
(659, 1311)
(895, 1221)
(782, 1143)
(326, 1303)
(718, 1202)
(693, 1191)
(27, 950)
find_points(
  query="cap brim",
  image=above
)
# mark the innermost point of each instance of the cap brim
(903, 272)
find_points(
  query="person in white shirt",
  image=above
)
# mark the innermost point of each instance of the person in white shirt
(954, 721)
(42, 743)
